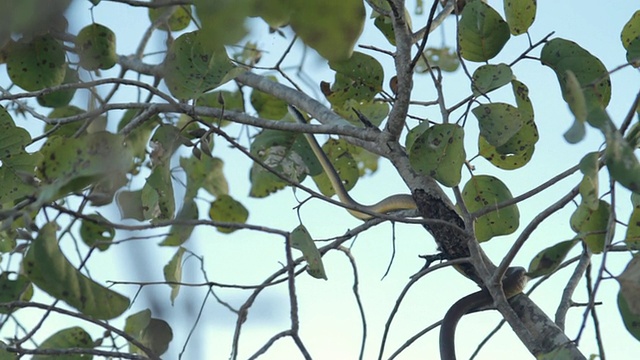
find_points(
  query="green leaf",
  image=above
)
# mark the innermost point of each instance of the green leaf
(173, 273)
(276, 13)
(94, 231)
(358, 78)
(205, 173)
(153, 333)
(227, 209)
(165, 141)
(130, 205)
(301, 240)
(37, 64)
(374, 111)
(6, 355)
(631, 30)
(498, 122)
(589, 166)
(48, 268)
(339, 154)
(176, 18)
(591, 225)
(61, 97)
(267, 105)
(439, 153)
(138, 138)
(12, 290)
(157, 195)
(632, 238)
(179, 233)
(96, 46)
(71, 164)
(194, 66)
(622, 162)
(631, 321)
(331, 27)
(17, 165)
(564, 56)
(74, 337)
(520, 15)
(629, 281)
(281, 151)
(415, 132)
(444, 58)
(633, 53)
(485, 191)
(487, 78)
(482, 32)
(549, 259)
(223, 20)
(504, 161)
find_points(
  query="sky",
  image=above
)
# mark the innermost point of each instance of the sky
(329, 317)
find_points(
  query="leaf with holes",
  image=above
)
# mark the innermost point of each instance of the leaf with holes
(439, 153)
(94, 231)
(47, 267)
(485, 191)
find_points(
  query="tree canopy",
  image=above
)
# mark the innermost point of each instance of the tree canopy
(156, 184)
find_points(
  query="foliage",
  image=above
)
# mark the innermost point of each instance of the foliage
(161, 157)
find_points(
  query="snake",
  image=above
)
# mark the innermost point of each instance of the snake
(513, 283)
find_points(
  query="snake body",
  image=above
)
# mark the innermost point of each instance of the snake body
(513, 282)
(390, 203)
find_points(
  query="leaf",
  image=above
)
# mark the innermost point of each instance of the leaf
(331, 27)
(439, 153)
(16, 164)
(164, 142)
(157, 198)
(47, 267)
(267, 105)
(487, 78)
(194, 66)
(130, 205)
(504, 161)
(96, 46)
(12, 290)
(631, 30)
(632, 237)
(574, 97)
(358, 78)
(301, 240)
(205, 173)
(563, 56)
(176, 17)
(374, 111)
(71, 164)
(631, 321)
(520, 15)
(94, 231)
(74, 337)
(173, 273)
(591, 225)
(37, 64)
(629, 282)
(482, 32)
(549, 259)
(483, 191)
(60, 98)
(276, 13)
(589, 166)
(153, 333)
(622, 162)
(444, 58)
(498, 122)
(280, 151)
(223, 20)
(226, 209)
(338, 152)
(180, 233)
